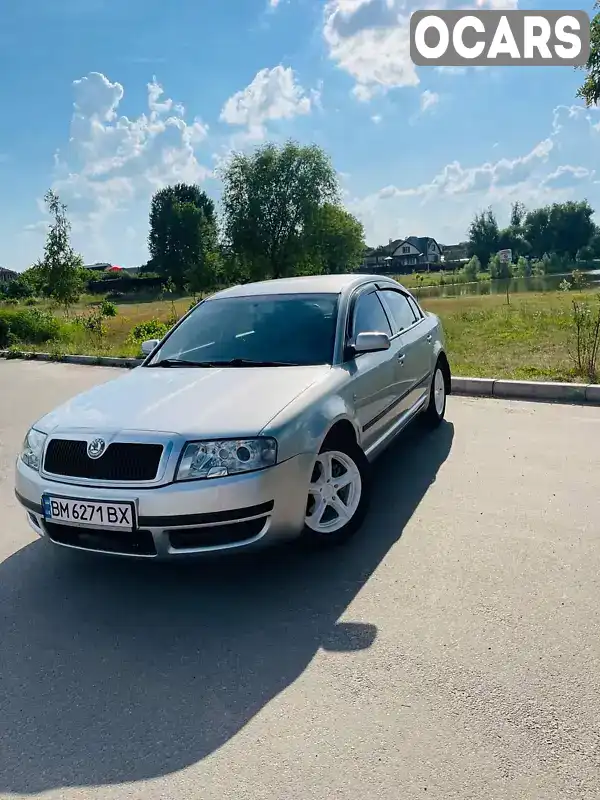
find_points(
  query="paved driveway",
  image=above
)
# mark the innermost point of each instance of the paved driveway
(452, 651)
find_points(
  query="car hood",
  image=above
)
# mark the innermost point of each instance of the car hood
(216, 402)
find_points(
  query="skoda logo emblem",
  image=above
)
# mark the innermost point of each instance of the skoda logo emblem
(96, 448)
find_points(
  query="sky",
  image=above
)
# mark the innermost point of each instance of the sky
(105, 101)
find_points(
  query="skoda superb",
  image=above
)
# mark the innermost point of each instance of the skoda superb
(255, 420)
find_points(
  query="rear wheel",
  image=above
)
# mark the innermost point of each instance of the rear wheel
(436, 409)
(338, 495)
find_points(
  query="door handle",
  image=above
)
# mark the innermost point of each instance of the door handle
(429, 338)
(401, 358)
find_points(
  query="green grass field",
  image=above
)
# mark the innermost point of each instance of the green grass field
(532, 338)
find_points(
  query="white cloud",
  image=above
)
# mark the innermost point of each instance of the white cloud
(369, 39)
(443, 206)
(377, 118)
(566, 177)
(113, 163)
(428, 100)
(272, 95)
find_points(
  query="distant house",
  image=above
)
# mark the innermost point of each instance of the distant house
(99, 266)
(7, 275)
(455, 252)
(102, 266)
(404, 256)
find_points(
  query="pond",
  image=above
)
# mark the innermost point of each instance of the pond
(541, 283)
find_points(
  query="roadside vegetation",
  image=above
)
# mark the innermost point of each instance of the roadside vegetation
(546, 336)
(282, 215)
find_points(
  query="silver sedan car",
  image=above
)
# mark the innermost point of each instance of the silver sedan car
(255, 420)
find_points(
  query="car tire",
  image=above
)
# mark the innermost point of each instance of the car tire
(343, 505)
(436, 410)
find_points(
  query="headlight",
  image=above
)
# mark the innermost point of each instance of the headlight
(223, 457)
(31, 452)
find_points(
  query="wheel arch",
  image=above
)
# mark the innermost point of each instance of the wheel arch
(341, 432)
(442, 360)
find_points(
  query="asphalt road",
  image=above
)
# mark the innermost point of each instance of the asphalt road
(452, 651)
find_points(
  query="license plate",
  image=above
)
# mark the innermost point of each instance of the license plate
(90, 513)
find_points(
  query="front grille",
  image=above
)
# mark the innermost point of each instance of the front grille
(135, 543)
(215, 535)
(121, 461)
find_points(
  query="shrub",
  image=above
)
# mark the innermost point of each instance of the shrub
(585, 322)
(4, 332)
(108, 309)
(31, 325)
(472, 269)
(151, 329)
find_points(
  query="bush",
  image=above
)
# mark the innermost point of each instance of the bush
(472, 269)
(108, 309)
(151, 329)
(4, 332)
(585, 346)
(31, 325)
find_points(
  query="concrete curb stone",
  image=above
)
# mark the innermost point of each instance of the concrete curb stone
(579, 393)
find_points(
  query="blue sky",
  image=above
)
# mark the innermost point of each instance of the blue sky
(108, 100)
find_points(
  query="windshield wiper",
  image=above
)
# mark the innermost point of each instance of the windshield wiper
(179, 362)
(248, 362)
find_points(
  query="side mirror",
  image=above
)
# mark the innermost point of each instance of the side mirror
(148, 346)
(371, 342)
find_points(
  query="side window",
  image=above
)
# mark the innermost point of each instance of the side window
(401, 310)
(417, 311)
(369, 316)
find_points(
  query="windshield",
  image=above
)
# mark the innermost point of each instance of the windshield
(266, 330)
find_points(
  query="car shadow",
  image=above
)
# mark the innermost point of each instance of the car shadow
(115, 671)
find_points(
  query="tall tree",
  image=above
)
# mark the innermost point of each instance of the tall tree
(270, 199)
(517, 214)
(590, 90)
(182, 231)
(561, 228)
(60, 270)
(572, 225)
(484, 237)
(334, 240)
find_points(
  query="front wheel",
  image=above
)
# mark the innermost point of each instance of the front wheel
(436, 409)
(338, 495)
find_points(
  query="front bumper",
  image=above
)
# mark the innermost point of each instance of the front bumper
(182, 519)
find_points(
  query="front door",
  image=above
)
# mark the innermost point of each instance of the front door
(374, 375)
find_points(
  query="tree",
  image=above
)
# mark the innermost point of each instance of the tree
(183, 234)
(60, 270)
(334, 240)
(590, 91)
(271, 201)
(591, 250)
(484, 236)
(572, 225)
(562, 229)
(517, 214)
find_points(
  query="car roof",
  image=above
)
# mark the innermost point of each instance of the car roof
(306, 284)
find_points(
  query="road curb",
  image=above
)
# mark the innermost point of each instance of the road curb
(91, 361)
(578, 393)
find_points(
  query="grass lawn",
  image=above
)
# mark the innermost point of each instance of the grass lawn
(530, 339)
(445, 278)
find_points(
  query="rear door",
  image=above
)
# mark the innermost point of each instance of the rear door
(374, 389)
(413, 363)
